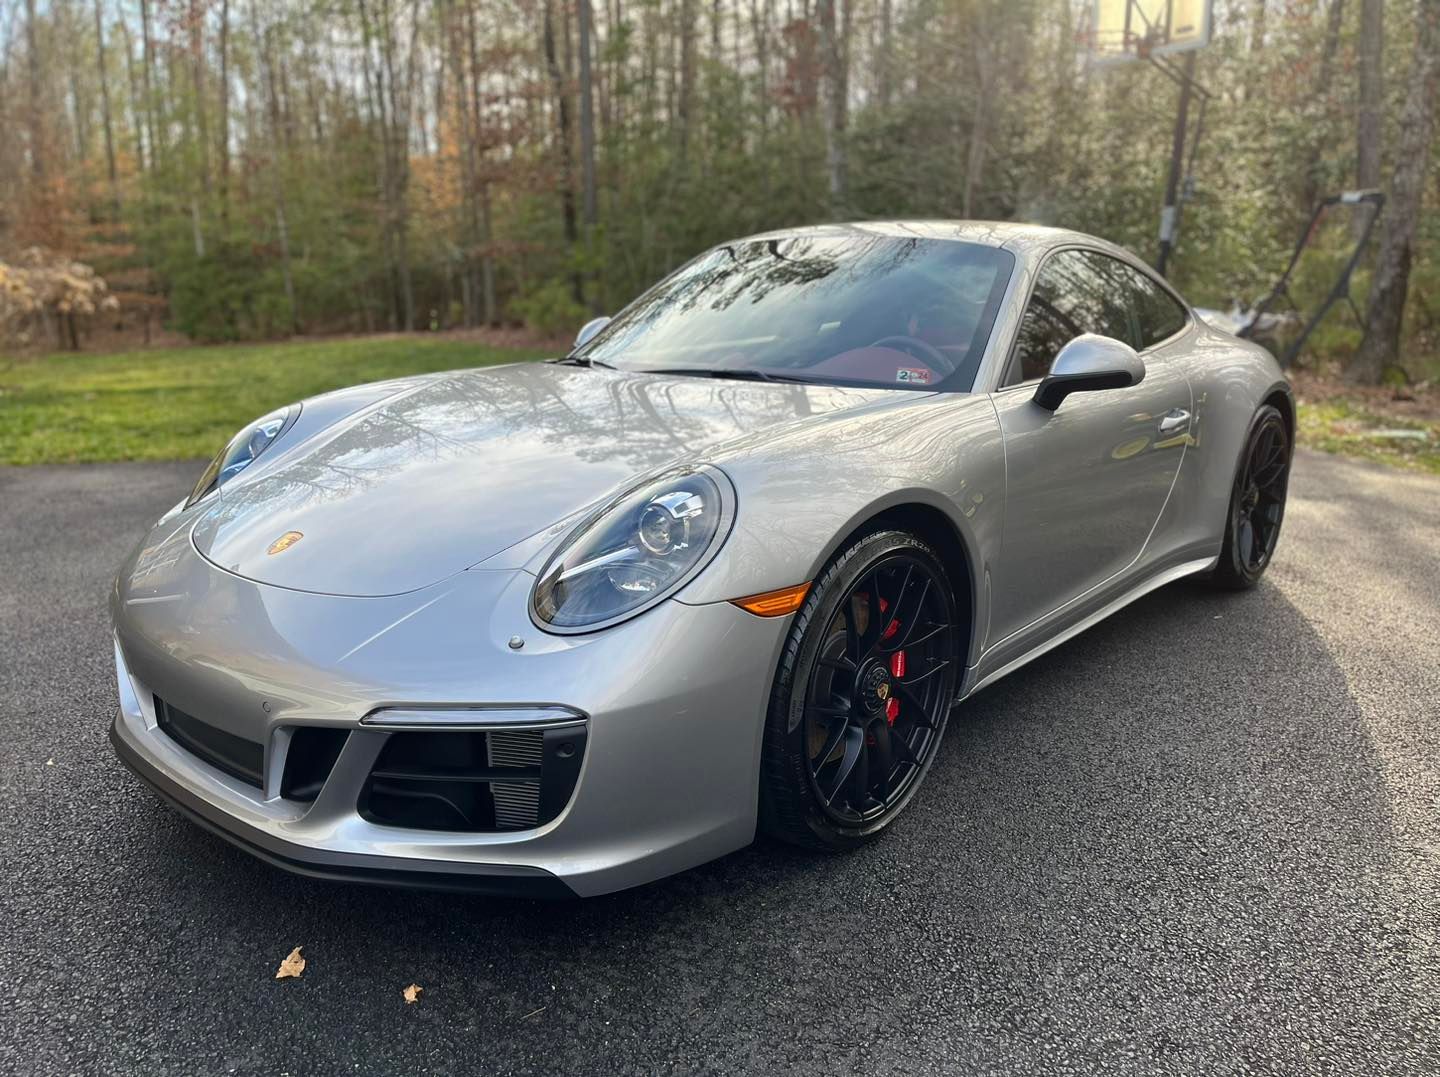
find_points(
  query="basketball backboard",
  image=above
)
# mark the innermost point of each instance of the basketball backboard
(1125, 30)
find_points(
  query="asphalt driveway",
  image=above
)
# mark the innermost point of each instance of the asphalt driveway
(1202, 838)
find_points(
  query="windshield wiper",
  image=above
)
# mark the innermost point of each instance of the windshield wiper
(582, 360)
(738, 374)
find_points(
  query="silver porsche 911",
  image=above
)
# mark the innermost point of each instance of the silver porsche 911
(563, 628)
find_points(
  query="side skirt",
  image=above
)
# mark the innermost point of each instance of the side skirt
(976, 676)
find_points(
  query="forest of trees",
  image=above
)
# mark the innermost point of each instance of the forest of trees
(255, 168)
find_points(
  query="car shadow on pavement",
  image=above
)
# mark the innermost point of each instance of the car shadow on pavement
(1165, 842)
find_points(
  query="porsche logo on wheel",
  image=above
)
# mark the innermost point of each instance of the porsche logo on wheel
(883, 690)
(284, 542)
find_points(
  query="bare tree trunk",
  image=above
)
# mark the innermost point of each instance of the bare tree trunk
(487, 256)
(79, 109)
(975, 157)
(272, 111)
(587, 116)
(34, 109)
(224, 111)
(282, 228)
(567, 164)
(287, 110)
(313, 103)
(760, 29)
(400, 108)
(1370, 117)
(393, 112)
(487, 261)
(196, 231)
(685, 101)
(197, 69)
(137, 119)
(468, 138)
(1381, 343)
(884, 83)
(834, 90)
(587, 129)
(105, 109)
(1334, 22)
(147, 66)
(374, 79)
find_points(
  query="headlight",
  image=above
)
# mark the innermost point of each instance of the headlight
(636, 551)
(242, 450)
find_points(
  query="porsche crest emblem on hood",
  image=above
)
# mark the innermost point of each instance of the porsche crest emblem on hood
(284, 542)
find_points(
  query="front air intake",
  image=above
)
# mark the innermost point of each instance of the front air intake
(309, 760)
(235, 756)
(473, 781)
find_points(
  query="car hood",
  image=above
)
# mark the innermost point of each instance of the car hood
(441, 477)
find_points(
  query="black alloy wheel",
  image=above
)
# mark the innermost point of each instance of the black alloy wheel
(1257, 502)
(863, 693)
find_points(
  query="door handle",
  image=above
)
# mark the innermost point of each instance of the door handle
(1173, 420)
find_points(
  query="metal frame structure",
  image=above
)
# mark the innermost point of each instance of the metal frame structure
(1339, 290)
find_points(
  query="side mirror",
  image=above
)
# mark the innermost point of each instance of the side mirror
(1087, 363)
(589, 329)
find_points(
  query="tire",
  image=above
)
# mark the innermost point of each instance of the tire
(1257, 503)
(841, 698)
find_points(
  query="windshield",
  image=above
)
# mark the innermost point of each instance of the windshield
(904, 313)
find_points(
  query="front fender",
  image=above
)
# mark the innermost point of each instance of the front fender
(797, 507)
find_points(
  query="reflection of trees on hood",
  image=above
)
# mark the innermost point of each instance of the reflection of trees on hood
(584, 416)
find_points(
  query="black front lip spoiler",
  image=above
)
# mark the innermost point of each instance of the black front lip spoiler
(516, 883)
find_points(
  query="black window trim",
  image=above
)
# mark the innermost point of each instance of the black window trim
(1133, 263)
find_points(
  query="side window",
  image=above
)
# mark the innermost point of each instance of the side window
(1076, 292)
(1156, 311)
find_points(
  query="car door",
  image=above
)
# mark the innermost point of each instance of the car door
(1085, 484)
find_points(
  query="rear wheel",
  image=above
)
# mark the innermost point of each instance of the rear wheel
(862, 694)
(1257, 503)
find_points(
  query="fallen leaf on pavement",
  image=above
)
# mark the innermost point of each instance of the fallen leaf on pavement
(412, 993)
(292, 966)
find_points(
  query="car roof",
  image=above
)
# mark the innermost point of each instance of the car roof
(1026, 240)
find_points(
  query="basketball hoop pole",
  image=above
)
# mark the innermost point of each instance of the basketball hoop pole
(1156, 32)
(1170, 213)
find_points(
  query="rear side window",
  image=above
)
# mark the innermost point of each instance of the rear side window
(1076, 292)
(1156, 311)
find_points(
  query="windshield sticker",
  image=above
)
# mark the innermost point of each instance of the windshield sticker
(915, 374)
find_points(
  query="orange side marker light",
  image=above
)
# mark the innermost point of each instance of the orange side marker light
(774, 603)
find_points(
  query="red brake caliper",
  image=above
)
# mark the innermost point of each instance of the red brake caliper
(897, 670)
(893, 626)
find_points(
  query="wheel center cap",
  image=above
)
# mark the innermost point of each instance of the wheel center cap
(875, 687)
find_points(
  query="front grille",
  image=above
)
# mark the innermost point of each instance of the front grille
(236, 756)
(474, 781)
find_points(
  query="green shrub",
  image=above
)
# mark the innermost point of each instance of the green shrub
(551, 309)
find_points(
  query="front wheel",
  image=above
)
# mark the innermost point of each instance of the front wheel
(862, 694)
(1257, 503)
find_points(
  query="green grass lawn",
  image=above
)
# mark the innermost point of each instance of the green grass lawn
(185, 402)
(1348, 428)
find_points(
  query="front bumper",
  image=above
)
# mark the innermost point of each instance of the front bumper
(674, 704)
(515, 881)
